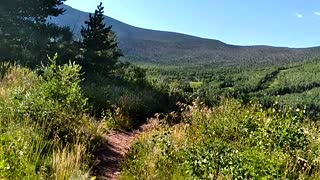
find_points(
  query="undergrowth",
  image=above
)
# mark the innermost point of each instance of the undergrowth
(231, 141)
(45, 132)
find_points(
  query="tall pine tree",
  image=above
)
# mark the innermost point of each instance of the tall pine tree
(101, 51)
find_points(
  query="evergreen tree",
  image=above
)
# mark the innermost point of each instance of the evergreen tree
(37, 10)
(101, 52)
(24, 35)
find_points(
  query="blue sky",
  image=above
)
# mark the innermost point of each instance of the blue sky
(291, 23)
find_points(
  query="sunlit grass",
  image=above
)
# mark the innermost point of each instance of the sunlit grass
(230, 141)
(68, 162)
(30, 149)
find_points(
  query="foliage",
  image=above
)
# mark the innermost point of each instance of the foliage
(4, 69)
(25, 38)
(131, 73)
(293, 85)
(100, 47)
(56, 99)
(37, 10)
(44, 132)
(129, 98)
(231, 141)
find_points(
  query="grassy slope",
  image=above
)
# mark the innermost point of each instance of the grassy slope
(231, 141)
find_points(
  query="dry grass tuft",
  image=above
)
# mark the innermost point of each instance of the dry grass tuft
(67, 163)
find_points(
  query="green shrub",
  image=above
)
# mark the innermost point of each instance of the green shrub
(56, 101)
(44, 131)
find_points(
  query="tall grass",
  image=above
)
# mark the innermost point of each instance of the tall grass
(231, 141)
(44, 130)
(129, 103)
(67, 162)
(21, 151)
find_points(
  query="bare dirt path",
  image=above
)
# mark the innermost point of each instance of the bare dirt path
(113, 151)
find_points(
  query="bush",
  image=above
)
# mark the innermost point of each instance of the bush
(44, 132)
(56, 101)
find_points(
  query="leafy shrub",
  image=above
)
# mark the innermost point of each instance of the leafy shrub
(56, 101)
(44, 132)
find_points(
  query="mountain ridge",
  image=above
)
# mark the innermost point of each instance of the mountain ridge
(154, 46)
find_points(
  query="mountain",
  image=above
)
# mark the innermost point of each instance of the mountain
(151, 46)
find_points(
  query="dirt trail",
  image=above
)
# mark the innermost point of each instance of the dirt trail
(116, 146)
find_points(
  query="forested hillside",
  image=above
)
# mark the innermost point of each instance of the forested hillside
(150, 46)
(295, 85)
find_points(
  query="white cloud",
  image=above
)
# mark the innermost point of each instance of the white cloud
(299, 15)
(317, 13)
